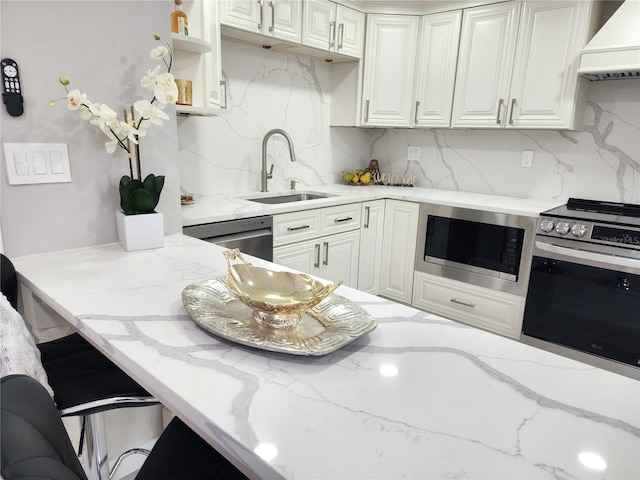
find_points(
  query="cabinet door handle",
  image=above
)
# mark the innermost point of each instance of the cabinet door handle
(458, 302)
(273, 15)
(326, 253)
(223, 84)
(340, 220)
(261, 3)
(293, 229)
(332, 34)
(340, 36)
(366, 111)
(416, 115)
(500, 103)
(317, 247)
(367, 212)
(513, 104)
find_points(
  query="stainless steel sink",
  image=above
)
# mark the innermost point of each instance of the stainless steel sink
(288, 198)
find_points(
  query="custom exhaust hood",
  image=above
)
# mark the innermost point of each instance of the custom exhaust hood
(614, 52)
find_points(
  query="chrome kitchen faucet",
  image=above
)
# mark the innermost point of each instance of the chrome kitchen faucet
(264, 175)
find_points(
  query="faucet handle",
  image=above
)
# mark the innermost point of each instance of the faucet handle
(293, 184)
(270, 174)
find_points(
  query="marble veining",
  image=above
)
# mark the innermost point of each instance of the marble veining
(418, 397)
(273, 89)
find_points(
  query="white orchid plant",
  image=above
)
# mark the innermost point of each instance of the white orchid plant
(136, 195)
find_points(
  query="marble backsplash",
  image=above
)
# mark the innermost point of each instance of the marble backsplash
(274, 90)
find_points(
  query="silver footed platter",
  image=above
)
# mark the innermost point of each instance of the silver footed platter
(276, 298)
(329, 325)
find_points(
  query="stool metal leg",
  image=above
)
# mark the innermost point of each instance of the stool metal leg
(94, 457)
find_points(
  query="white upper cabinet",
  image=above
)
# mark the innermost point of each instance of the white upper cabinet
(333, 28)
(389, 68)
(485, 62)
(546, 88)
(522, 76)
(279, 19)
(435, 79)
(400, 48)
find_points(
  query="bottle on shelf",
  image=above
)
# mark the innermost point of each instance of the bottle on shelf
(179, 22)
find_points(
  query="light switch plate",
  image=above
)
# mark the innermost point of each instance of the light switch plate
(29, 163)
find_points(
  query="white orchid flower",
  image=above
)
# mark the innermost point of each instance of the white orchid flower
(76, 99)
(166, 90)
(159, 52)
(150, 79)
(150, 112)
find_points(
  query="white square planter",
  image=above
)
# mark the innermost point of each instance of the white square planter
(140, 232)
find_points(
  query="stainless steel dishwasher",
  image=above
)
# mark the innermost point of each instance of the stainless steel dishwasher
(253, 236)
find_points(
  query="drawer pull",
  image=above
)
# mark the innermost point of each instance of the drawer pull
(345, 219)
(293, 229)
(470, 305)
(367, 211)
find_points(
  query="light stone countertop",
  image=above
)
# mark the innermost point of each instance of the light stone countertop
(218, 208)
(419, 397)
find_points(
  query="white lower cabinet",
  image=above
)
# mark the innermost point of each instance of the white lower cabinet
(399, 248)
(371, 232)
(323, 242)
(480, 307)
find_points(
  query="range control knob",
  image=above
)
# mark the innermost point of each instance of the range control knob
(546, 225)
(579, 230)
(562, 228)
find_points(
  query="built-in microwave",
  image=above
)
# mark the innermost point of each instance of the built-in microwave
(489, 249)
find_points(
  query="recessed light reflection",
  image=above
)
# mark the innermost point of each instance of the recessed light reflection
(388, 370)
(592, 461)
(266, 451)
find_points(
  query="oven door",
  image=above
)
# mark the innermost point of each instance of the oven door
(584, 300)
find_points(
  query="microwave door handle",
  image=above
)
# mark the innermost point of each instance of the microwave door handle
(589, 258)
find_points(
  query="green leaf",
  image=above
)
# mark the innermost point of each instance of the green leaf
(127, 190)
(143, 201)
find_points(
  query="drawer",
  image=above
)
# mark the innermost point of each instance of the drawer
(341, 218)
(490, 310)
(296, 226)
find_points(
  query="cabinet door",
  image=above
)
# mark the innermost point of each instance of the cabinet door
(485, 63)
(340, 258)
(244, 14)
(214, 68)
(350, 25)
(370, 262)
(318, 24)
(545, 81)
(437, 57)
(283, 20)
(303, 256)
(389, 69)
(399, 248)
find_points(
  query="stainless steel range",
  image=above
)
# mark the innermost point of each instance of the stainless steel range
(584, 288)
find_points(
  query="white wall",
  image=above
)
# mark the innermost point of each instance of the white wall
(270, 89)
(602, 161)
(103, 47)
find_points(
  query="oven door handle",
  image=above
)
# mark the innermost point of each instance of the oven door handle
(589, 258)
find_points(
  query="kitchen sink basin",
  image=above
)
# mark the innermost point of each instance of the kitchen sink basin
(288, 198)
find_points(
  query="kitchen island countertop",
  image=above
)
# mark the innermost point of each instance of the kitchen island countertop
(218, 208)
(419, 397)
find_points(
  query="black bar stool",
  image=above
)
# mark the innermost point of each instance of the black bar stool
(85, 384)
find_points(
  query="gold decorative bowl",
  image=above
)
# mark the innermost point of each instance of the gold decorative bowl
(276, 298)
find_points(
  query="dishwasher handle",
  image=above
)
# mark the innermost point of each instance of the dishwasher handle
(239, 236)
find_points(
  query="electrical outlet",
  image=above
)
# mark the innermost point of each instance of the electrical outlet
(527, 159)
(413, 154)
